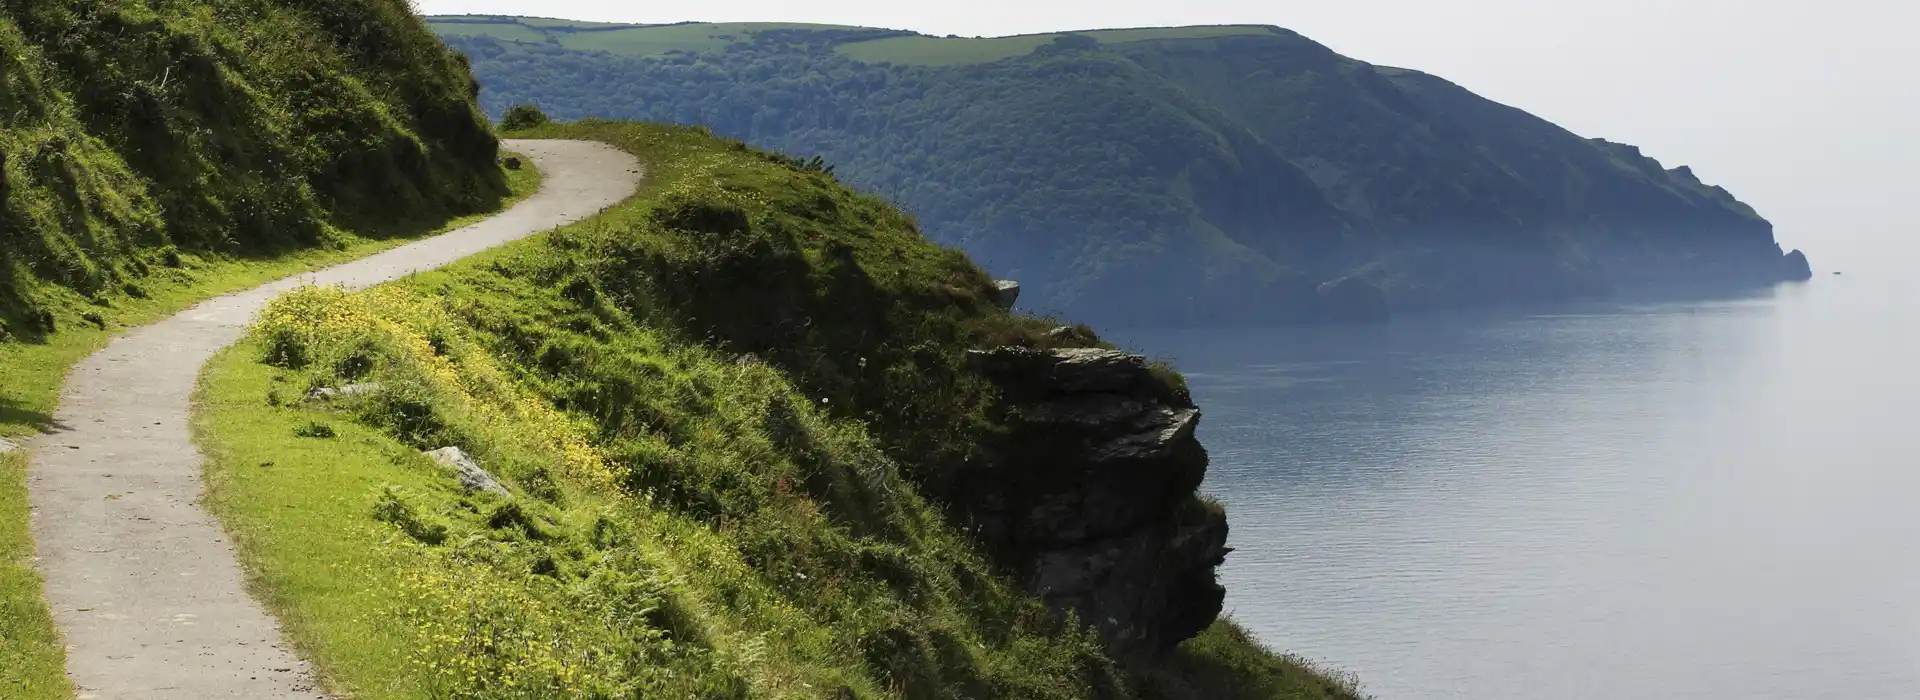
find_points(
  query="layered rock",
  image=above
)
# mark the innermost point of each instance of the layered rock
(1097, 511)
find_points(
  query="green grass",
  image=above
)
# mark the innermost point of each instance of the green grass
(32, 665)
(504, 31)
(31, 660)
(686, 519)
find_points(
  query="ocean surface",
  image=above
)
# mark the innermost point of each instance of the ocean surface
(1704, 499)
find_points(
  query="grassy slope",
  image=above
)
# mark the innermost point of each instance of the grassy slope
(678, 508)
(242, 128)
(31, 663)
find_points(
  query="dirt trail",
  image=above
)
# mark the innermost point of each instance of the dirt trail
(142, 580)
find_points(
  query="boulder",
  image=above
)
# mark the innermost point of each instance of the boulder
(6, 446)
(511, 163)
(1005, 293)
(350, 390)
(1795, 267)
(467, 471)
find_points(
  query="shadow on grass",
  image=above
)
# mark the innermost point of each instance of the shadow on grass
(12, 413)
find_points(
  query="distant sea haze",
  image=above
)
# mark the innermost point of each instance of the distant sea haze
(1708, 499)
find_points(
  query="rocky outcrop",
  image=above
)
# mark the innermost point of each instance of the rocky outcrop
(1795, 267)
(1096, 512)
(467, 471)
(1005, 293)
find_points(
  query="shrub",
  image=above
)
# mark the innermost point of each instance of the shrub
(522, 117)
(316, 430)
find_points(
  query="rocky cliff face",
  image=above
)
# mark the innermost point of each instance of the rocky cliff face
(1098, 513)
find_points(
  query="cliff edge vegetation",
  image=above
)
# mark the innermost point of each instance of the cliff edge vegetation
(1169, 176)
(735, 438)
(154, 154)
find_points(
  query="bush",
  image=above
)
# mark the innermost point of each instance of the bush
(521, 117)
(316, 430)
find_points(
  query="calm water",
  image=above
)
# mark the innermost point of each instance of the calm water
(1679, 500)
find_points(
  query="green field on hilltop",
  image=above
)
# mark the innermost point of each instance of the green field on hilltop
(619, 39)
(955, 51)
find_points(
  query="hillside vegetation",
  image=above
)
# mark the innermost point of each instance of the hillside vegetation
(728, 414)
(1181, 175)
(139, 135)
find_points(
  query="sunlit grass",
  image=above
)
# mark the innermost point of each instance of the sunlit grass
(31, 657)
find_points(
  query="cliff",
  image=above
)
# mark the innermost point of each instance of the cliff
(1197, 175)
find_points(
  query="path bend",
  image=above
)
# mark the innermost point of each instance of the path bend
(141, 579)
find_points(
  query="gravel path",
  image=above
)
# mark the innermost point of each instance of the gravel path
(141, 579)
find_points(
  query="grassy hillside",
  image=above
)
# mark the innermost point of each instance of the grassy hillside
(718, 410)
(1169, 175)
(227, 128)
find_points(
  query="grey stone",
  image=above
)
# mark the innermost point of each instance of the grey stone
(1005, 293)
(1068, 371)
(467, 471)
(350, 390)
(6, 446)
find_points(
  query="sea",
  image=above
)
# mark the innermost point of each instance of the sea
(1714, 498)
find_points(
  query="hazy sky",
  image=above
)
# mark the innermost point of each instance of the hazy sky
(1807, 109)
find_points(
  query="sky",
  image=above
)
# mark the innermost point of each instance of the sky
(1807, 109)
